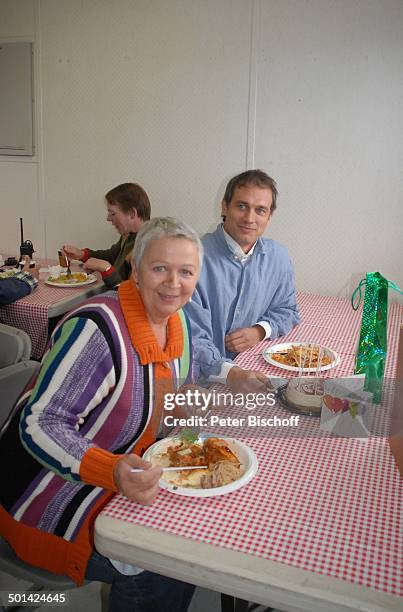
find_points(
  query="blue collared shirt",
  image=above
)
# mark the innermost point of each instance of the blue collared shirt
(232, 294)
(15, 287)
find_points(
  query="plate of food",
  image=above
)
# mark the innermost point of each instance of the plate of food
(76, 279)
(301, 357)
(230, 464)
(9, 273)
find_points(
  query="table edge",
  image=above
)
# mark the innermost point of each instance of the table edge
(240, 574)
(71, 301)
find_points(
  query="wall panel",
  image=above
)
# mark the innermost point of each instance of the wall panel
(329, 103)
(20, 178)
(177, 96)
(154, 92)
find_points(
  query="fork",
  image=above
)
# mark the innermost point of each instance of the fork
(68, 271)
(174, 469)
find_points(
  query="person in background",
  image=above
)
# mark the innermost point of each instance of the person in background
(96, 406)
(128, 208)
(246, 290)
(19, 285)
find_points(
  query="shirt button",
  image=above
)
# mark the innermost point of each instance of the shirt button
(166, 364)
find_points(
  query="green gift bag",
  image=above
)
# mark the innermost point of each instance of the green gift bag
(372, 346)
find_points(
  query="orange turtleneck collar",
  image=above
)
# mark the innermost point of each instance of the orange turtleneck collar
(142, 336)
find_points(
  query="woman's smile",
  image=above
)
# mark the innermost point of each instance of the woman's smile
(167, 276)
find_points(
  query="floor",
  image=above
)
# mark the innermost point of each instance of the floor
(89, 598)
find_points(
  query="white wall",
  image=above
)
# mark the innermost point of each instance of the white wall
(329, 126)
(178, 96)
(19, 177)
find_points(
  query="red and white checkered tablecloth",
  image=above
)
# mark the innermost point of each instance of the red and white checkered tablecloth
(329, 505)
(331, 322)
(341, 335)
(31, 313)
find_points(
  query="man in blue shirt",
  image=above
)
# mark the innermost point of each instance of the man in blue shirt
(246, 291)
(19, 285)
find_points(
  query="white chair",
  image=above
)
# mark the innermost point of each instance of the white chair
(16, 368)
(15, 345)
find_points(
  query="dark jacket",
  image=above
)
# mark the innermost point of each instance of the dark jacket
(119, 256)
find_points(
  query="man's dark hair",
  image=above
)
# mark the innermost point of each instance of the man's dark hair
(128, 196)
(252, 177)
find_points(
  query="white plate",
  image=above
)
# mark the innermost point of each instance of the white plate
(267, 355)
(91, 278)
(245, 455)
(9, 273)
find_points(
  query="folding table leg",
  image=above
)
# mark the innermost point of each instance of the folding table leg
(240, 605)
(233, 604)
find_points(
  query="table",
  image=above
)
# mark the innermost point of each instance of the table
(332, 322)
(33, 312)
(319, 527)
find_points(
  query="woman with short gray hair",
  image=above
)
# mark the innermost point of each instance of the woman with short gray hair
(94, 409)
(167, 227)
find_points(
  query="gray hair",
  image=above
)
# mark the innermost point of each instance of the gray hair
(163, 227)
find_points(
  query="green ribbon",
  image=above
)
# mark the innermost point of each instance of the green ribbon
(372, 345)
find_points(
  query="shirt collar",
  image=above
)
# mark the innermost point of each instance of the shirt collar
(235, 249)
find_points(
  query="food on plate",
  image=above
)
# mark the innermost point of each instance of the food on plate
(308, 356)
(221, 474)
(185, 453)
(9, 273)
(216, 449)
(305, 392)
(224, 466)
(71, 279)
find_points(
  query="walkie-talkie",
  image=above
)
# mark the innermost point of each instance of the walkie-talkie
(26, 246)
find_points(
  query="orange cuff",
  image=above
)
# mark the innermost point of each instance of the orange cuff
(97, 467)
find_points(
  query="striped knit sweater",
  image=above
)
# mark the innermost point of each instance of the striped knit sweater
(98, 395)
